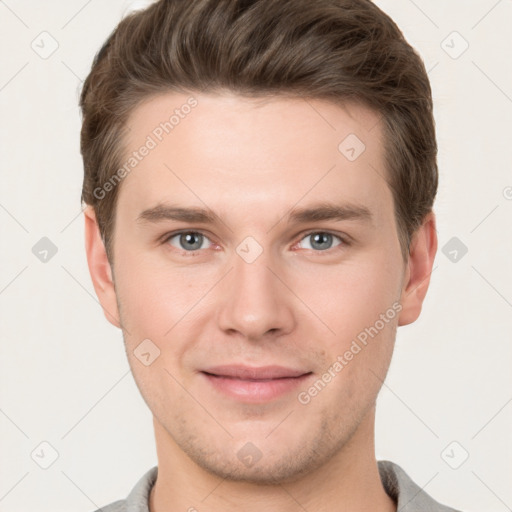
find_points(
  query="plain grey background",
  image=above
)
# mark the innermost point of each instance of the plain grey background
(75, 433)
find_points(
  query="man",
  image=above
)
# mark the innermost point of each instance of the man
(259, 182)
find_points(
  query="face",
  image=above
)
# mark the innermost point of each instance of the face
(258, 278)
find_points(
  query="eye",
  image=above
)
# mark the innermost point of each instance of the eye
(193, 241)
(321, 240)
(188, 241)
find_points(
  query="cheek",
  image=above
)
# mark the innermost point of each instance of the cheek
(162, 303)
(358, 303)
(354, 296)
(151, 299)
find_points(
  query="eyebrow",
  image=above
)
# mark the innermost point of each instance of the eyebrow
(318, 212)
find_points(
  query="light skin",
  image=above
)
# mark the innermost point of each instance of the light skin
(299, 304)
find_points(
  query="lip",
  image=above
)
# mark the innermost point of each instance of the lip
(254, 384)
(244, 372)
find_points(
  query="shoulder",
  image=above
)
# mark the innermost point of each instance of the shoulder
(138, 499)
(117, 506)
(408, 495)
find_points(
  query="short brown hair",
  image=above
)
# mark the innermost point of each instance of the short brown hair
(337, 50)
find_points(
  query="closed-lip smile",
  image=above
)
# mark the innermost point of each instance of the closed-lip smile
(254, 384)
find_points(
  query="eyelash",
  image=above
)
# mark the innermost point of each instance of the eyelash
(344, 241)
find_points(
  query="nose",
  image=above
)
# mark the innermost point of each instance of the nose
(255, 301)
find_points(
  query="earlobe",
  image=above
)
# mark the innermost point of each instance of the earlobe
(99, 268)
(422, 252)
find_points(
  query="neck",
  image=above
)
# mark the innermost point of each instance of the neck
(349, 481)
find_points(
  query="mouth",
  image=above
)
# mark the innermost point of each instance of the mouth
(252, 384)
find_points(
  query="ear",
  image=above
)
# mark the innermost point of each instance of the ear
(422, 252)
(99, 268)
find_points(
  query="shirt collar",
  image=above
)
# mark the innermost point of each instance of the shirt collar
(397, 484)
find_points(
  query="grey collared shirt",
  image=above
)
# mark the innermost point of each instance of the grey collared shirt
(408, 495)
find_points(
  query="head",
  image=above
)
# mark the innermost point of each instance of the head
(252, 111)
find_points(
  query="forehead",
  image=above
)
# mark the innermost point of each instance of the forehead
(229, 150)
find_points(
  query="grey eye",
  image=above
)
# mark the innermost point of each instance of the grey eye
(320, 240)
(189, 241)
